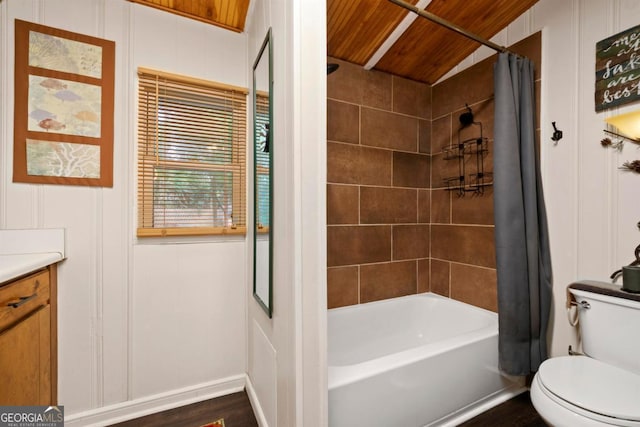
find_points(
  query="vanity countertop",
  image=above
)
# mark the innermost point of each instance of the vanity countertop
(24, 251)
(12, 266)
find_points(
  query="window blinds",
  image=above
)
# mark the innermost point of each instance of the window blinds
(191, 156)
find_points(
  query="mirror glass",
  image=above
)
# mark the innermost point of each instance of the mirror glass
(263, 174)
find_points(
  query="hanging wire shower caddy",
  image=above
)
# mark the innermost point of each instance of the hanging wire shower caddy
(470, 153)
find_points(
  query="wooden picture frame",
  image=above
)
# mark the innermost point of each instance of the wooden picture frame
(63, 109)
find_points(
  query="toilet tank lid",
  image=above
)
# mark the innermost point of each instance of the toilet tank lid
(593, 385)
(603, 288)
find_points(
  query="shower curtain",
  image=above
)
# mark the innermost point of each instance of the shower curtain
(521, 236)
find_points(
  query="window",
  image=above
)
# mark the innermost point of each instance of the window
(263, 178)
(191, 156)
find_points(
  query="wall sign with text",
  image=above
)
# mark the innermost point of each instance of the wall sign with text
(63, 115)
(618, 69)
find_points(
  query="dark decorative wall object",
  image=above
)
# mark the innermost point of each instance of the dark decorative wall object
(617, 69)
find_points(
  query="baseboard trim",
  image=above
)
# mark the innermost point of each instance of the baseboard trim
(255, 404)
(136, 408)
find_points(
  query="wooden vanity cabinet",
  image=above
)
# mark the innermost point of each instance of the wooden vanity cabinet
(28, 339)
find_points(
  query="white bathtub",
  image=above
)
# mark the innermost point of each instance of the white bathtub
(413, 361)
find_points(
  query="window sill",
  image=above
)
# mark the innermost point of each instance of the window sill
(195, 231)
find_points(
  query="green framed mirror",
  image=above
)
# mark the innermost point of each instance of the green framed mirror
(263, 176)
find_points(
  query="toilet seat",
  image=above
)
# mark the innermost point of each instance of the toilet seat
(591, 389)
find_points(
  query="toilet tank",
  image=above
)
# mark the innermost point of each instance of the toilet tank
(610, 326)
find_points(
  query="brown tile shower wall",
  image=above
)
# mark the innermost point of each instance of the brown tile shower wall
(378, 173)
(392, 227)
(462, 228)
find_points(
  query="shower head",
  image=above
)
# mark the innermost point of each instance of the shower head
(466, 118)
(331, 68)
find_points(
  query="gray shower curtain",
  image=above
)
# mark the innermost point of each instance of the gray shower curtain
(521, 236)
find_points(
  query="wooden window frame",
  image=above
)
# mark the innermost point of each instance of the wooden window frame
(148, 164)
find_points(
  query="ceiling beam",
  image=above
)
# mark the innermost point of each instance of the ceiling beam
(395, 35)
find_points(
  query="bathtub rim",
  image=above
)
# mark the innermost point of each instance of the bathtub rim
(410, 296)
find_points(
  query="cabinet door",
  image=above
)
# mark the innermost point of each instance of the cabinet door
(25, 361)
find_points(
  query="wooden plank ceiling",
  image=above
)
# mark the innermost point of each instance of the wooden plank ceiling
(229, 14)
(357, 28)
(426, 51)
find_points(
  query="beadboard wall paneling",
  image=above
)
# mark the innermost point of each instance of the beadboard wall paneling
(124, 303)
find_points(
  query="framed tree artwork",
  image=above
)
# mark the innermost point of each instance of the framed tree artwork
(63, 116)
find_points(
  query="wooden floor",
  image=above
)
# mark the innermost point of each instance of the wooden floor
(234, 408)
(517, 412)
(236, 411)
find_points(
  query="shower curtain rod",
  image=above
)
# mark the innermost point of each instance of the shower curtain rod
(453, 27)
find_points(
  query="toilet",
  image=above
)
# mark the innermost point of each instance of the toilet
(602, 386)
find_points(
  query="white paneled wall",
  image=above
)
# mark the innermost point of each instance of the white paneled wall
(287, 354)
(592, 206)
(145, 319)
(138, 319)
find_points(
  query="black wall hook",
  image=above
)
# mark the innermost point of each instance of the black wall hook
(557, 134)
